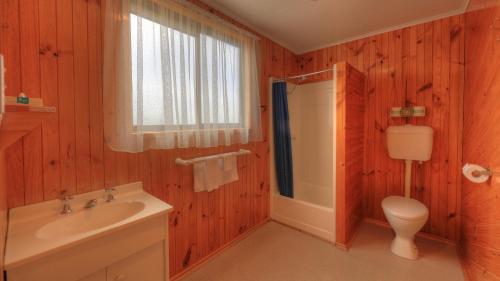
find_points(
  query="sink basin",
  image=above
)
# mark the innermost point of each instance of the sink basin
(40, 231)
(88, 220)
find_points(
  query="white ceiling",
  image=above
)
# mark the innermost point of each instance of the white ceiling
(305, 25)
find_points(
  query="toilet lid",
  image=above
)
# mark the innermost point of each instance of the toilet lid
(405, 208)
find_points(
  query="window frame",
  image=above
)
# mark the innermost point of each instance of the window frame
(198, 126)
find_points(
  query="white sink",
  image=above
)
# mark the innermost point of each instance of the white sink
(87, 220)
(40, 229)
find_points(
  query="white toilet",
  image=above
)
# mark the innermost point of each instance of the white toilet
(406, 215)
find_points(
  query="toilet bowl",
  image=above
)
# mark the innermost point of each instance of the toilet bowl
(406, 216)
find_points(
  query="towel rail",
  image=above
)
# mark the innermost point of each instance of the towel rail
(185, 162)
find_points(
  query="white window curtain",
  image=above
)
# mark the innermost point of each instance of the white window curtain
(176, 76)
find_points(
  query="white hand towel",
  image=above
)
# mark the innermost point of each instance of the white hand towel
(230, 162)
(199, 172)
(230, 173)
(208, 175)
(212, 173)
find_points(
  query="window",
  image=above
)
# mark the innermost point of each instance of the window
(183, 80)
(177, 76)
(222, 83)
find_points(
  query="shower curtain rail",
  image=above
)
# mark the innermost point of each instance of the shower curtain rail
(304, 75)
(185, 162)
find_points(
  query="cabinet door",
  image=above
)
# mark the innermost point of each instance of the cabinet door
(98, 276)
(146, 265)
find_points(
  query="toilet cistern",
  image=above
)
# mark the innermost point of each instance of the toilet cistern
(406, 215)
(409, 143)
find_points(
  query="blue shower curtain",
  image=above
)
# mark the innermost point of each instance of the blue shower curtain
(282, 140)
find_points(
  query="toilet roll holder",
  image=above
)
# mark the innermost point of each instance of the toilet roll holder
(486, 172)
(478, 174)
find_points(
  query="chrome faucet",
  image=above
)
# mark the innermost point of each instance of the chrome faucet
(65, 198)
(108, 194)
(91, 204)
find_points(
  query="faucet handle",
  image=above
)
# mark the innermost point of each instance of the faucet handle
(109, 194)
(64, 196)
(65, 200)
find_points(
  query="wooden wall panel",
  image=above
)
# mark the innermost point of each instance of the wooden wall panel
(480, 239)
(350, 114)
(3, 207)
(66, 94)
(53, 50)
(81, 95)
(15, 170)
(418, 65)
(95, 95)
(49, 92)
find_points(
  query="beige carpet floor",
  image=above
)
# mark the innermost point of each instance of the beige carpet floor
(275, 252)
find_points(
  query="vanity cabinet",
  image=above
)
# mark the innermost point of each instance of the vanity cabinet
(146, 265)
(131, 249)
(138, 252)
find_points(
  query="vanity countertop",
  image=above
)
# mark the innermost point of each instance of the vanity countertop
(37, 230)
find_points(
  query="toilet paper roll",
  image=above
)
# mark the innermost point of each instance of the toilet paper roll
(475, 173)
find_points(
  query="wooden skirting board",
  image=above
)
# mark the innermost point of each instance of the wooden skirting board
(463, 264)
(348, 244)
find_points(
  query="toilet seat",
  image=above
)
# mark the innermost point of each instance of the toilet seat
(405, 208)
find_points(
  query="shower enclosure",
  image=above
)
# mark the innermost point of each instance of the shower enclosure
(311, 119)
(311, 113)
(317, 178)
